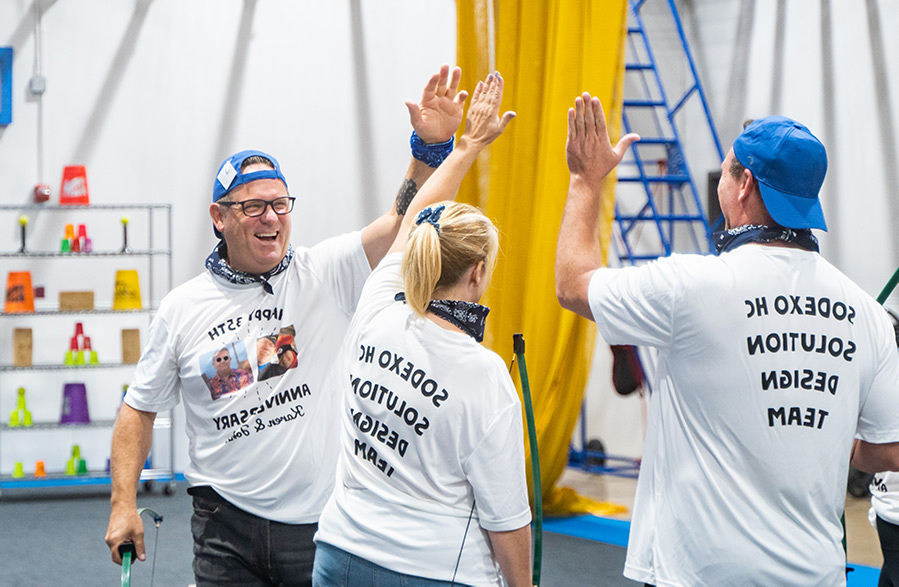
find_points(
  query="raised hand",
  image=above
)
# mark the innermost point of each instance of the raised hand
(483, 123)
(438, 115)
(589, 150)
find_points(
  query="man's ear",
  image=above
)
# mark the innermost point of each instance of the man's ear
(747, 184)
(215, 211)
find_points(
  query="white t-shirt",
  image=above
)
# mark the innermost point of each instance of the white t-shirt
(885, 497)
(267, 446)
(430, 422)
(770, 362)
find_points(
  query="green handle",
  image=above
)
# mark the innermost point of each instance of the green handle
(888, 288)
(126, 549)
(518, 346)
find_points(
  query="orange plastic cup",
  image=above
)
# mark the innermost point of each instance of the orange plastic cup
(19, 292)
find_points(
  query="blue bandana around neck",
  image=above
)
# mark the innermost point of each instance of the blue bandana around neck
(728, 240)
(217, 265)
(469, 316)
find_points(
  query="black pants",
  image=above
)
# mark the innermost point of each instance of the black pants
(234, 547)
(889, 545)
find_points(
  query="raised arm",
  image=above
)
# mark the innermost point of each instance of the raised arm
(435, 120)
(482, 127)
(131, 439)
(590, 158)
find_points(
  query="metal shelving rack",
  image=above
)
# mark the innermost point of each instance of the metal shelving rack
(97, 477)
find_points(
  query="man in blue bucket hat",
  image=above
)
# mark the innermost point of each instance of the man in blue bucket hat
(774, 371)
(263, 458)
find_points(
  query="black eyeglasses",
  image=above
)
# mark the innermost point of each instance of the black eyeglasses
(220, 359)
(253, 208)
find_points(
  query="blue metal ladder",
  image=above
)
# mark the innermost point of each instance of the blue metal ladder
(668, 202)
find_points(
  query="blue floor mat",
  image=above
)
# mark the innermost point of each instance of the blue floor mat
(615, 532)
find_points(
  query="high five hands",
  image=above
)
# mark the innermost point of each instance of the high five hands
(438, 115)
(589, 150)
(483, 123)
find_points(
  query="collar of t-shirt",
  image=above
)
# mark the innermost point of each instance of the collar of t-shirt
(469, 316)
(217, 265)
(728, 240)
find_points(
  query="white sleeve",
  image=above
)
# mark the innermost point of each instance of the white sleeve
(496, 471)
(380, 288)
(155, 384)
(341, 263)
(635, 305)
(878, 418)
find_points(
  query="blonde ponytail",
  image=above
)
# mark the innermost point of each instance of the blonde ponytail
(421, 266)
(438, 253)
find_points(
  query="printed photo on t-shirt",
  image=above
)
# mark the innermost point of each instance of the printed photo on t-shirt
(276, 353)
(227, 369)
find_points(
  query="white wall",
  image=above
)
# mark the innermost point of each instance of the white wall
(151, 95)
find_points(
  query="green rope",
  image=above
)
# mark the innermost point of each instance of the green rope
(518, 346)
(888, 288)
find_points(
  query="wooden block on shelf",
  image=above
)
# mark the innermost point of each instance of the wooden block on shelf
(21, 347)
(76, 300)
(130, 345)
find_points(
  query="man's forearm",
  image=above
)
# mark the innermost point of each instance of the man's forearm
(131, 440)
(416, 176)
(380, 234)
(875, 458)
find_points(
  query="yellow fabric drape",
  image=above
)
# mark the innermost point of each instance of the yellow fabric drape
(548, 52)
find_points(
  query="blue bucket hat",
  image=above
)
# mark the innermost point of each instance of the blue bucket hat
(229, 175)
(789, 163)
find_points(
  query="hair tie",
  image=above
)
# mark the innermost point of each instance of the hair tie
(431, 216)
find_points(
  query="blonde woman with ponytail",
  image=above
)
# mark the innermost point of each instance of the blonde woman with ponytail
(431, 483)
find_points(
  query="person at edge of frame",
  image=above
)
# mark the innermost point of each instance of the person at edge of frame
(775, 371)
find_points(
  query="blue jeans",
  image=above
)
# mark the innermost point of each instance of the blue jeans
(234, 547)
(335, 567)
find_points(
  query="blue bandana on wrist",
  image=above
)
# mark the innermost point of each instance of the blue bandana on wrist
(217, 265)
(469, 316)
(728, 240)
(431, 154)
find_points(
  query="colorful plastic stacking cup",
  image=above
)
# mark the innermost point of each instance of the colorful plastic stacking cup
(19, 292)
(127, 290)
(74, 404)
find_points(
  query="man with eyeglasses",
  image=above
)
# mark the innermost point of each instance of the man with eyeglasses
(262, 460)
(226, 379)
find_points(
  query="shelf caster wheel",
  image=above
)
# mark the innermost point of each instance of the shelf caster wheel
(596, 445)
(169, 489)
(148, 486)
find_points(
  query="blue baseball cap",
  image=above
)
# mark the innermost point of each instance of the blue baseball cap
(230, 176)
(789, 163)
